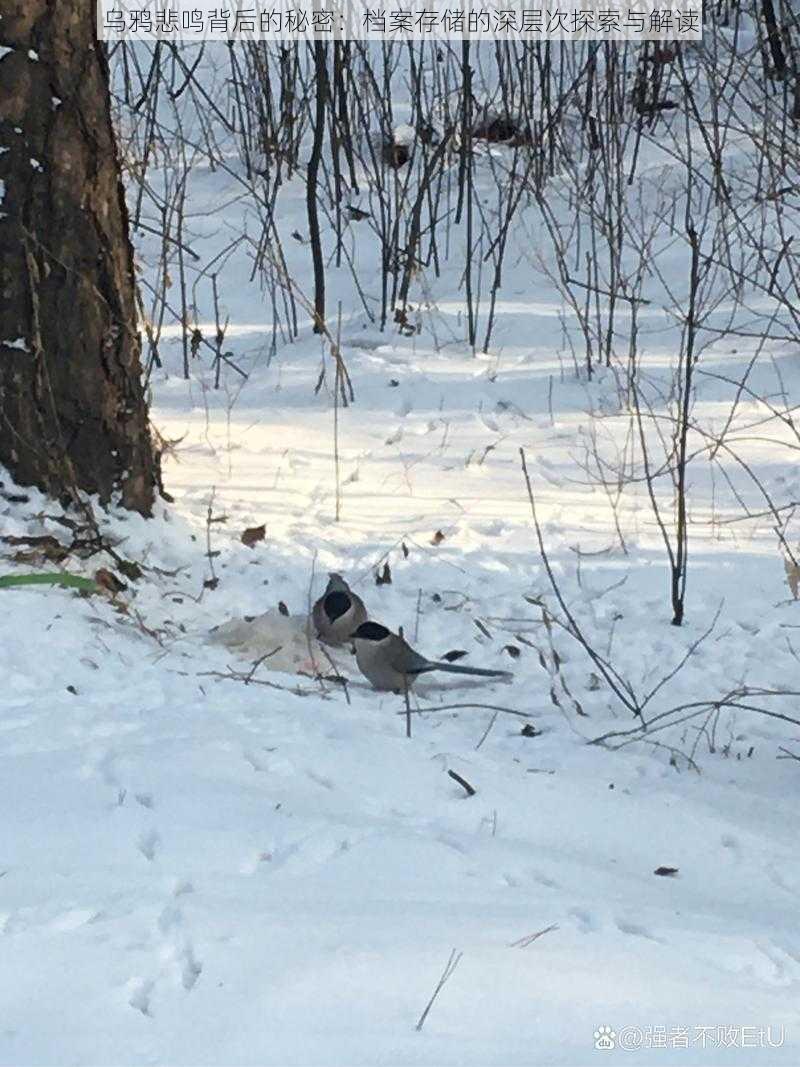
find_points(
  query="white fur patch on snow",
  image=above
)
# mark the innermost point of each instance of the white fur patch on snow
(285, 640)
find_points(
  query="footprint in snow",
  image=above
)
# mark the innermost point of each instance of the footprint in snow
(170, 917)
(302, 856)
(252, 758)
(320, 779)
(777, 879)
(191, 968)
(548, 883)
(74, 919)
(148, 843)
(635, 930)
(489, 529)
(140, 994)
(584, 920)
(425, 428)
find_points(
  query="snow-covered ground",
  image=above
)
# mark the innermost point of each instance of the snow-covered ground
(198, 870)
(204, 860)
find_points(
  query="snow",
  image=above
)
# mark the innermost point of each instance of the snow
(207, 871)
(404, 134)
(207, 860)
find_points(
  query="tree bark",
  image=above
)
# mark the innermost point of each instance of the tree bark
(73, 415)
(312, 181)
(774, 39)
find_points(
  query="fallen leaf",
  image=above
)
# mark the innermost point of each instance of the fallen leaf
(384, 577)
(529, 730)
(45, 547)
(793, 577)
(666, 872)
(513, 651)
(45, 541)
(451, 657)
(253, 535)
(109, 581)
(132, 571)
(282, 608)
(437, 538)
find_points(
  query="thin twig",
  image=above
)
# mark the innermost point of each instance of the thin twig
(336, 387)
(482, 707)
(258, 662)
(238, 676)
(470, 790)
(447, 973)
(525, 941)
(620, 687)
(488, 730)
(340, 678)
(406, 697)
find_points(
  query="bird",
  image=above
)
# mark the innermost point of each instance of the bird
(338, 612)
(389, 662)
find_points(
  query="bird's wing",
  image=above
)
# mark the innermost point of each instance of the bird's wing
(405, 660)
(317, 615)
(358, 603)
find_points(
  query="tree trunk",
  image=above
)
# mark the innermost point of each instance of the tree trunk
(72, 408)
(312, 181)
(774, 39)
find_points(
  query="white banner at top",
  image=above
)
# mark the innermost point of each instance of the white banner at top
(396, 20)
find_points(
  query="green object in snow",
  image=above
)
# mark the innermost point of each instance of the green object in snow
(60, 578)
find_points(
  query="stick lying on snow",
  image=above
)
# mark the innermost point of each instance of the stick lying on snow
(452, 707)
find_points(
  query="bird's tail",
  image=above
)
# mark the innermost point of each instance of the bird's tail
(455, 668)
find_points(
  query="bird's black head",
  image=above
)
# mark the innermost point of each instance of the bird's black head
(371, 631)
(336, 604)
